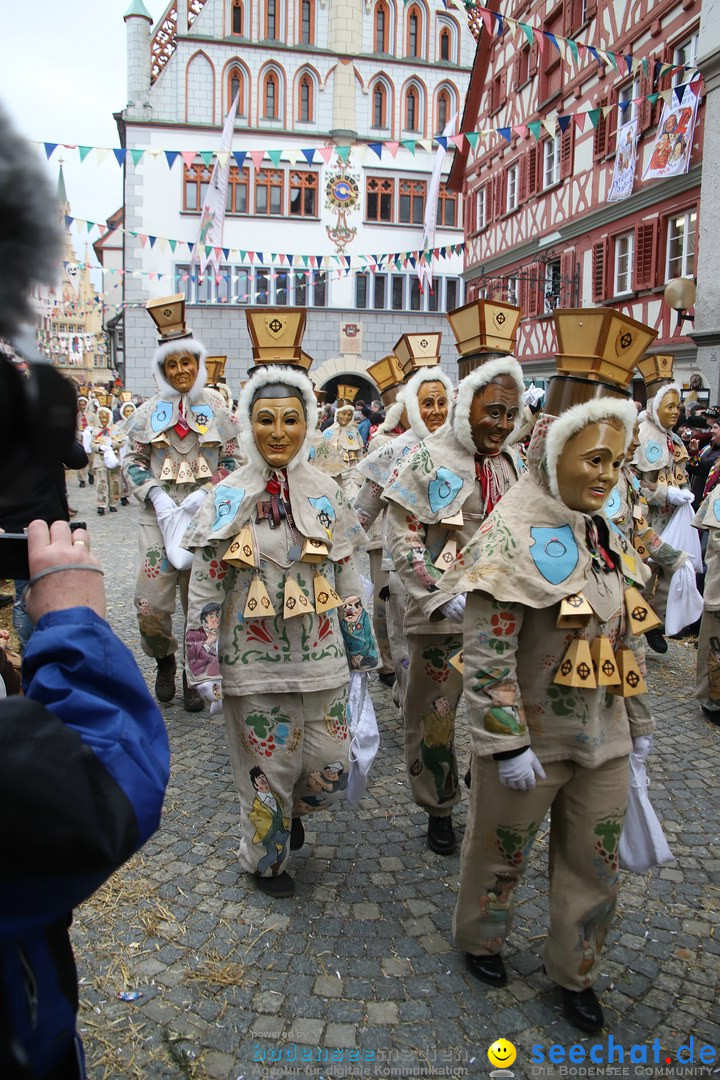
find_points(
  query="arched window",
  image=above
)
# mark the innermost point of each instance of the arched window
(412, 109)
(445, 44)
(379, 105)
(305, 99)
(270, 96)
(236, 17)
(272, 19)
(307, 22)
(382, 21)
(236, 85)
(414, 31)
(444, 109)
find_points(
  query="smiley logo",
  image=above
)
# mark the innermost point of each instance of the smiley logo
(502, 1053)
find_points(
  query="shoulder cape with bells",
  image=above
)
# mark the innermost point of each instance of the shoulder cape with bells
(205, 416)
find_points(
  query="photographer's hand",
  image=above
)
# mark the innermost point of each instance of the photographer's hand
(80, 586)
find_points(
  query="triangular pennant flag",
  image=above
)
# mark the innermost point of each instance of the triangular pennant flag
(207, 156)
(290, 259)
(377, 148)
(173, 244)
(573, 47)
(343, 152)
(152, 240)
(511, 27)
(101, 152)
(137, 156)
(607, 109)
(613, 60)
(226, 254)
(564, 123)
(550, 126)
(486, 17)
(520, 130)
(275, 156)
(540, 39)
(594, 116)
(458, 140)
(326, 152)
(291, 156)
(239, 156)
(624, 106)
(472, 137)
(580, 120)
(392, 147)
(223, 157)
(441, 140)
(679, 93)
(594, 53)
(309, 155)
(527, 31)
(68, 221)
(83, 151)
(120, 155)
(629, 63)
(188, 157)
(506, 132)
(500, 23)
(534, 128)
(256, 156)
(50, 147)
(171, 156)
(409, 144)
(652, 98)
(552, 39)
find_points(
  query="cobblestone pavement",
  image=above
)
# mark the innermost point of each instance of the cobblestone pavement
(361, 960)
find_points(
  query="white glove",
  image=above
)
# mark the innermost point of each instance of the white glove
(164, 506)
(110, 458)
(642, 746)
(173, 522)
(454, 609)
(677, 496)
(87, 440)
(212, 693)
(520, 772)
(192, 502)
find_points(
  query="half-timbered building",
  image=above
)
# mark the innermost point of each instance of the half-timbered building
(540, 229)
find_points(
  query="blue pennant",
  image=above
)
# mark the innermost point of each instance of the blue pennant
(554, 552)
(443, 489)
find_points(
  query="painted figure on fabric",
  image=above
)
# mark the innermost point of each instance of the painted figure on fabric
(272, 825)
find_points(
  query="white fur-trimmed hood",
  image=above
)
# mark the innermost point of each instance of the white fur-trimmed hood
(392, 416)
(409, 397)
(170, 348)
(656, 401)
(574, 420)
(286, 376)
(476, 380)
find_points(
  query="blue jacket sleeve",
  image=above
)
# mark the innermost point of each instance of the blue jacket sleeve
(84, 762)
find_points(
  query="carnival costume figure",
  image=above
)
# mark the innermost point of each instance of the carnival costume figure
(707, 688)
(437, 498)
(274, 548)
(660, 465)
(181, 442)
(85, 421)
(551, 684)
(104, 444)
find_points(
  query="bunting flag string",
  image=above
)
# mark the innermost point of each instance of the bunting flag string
(379, 149)
(496, 24)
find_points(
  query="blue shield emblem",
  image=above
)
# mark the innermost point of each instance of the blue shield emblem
(161, 416)
(716, 509)
(612, 506)
(324, 512)
(443, 489)
(203, 417)
(554, 552)
(227, 503)
(653, 452)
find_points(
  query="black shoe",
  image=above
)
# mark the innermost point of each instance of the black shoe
(583, 1010)
(91, 480)
(489, 969)
(113, 509)
(441, 835)
(192, 702)
(713, 715)
(124, 501)
(656, 641)
(467, 779)
(81, 483)
(165, 678)
(387, 678)
(100, 511)
(279, 886)
(297, 834)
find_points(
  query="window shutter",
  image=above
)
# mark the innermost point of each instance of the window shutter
(500, 194)
(600, 137)
(567, 147)
(535, 290)
(591, 9)
(516, 72)
(522, 178)
(567, 278)
(503, 87)
(533, 64)
(645, 109)
(522, 292)
(489, 202)
(611, 124)
(645, 255)
(532, 168)
(600, 263)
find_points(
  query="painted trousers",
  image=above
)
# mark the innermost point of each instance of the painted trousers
(289, 756)
(155, 594)
(107, 486)
(431, 695)
(587, 808)
(395, 616)
(379, 618)
(707, 684)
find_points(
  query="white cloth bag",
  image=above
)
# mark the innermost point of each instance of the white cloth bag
(364, 736)
(684, 602)
(642, 841)
(110, 458)
(681, 534)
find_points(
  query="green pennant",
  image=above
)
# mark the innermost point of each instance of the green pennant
(136, 156)
(594, 116)
(613, 61)
(528, 32)
(208, 249)
(207, 156)
(473, 137)
(275, 156)
(173, 244)
(409, 144)
(304, 259)
(343, 152)
(572, 45)
(534, 127)
(652, 98)
(243, 255)
(83, 151)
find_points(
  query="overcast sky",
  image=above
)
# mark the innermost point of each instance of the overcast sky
(62, 77)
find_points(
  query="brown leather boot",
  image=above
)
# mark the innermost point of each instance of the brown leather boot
(191, 699)
(165, 678)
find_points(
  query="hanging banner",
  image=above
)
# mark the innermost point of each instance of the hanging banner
(673, 142)
(212, 219)
(425, 268)
(624, 169)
